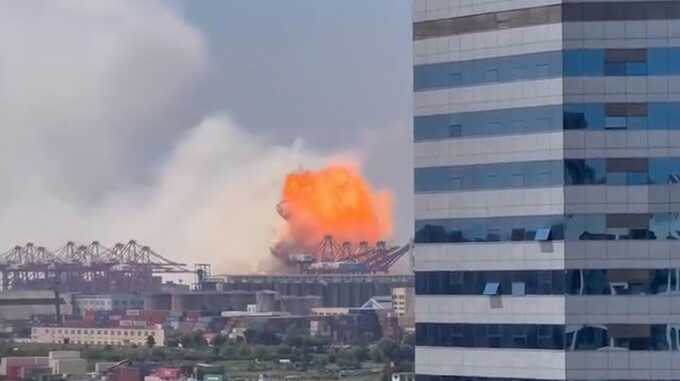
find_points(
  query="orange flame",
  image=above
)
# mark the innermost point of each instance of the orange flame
(335, 200)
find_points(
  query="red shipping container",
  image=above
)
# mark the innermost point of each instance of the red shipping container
(127, 374)
(13, 372)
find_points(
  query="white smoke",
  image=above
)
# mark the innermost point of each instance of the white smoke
(99, 138)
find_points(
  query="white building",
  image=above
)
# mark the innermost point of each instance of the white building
(98, 336)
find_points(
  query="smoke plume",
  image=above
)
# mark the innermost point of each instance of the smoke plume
(90, 89)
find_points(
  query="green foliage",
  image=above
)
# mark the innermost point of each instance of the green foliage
(378, 356)
(283, 350)
(361, 354)
(345, 358)
(218, 341)
(244, 351)
(388, 347)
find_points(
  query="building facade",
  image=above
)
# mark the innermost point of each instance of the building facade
(125, 336)
(35, 304)
(402, 302)
(547, 204)
(108, 302)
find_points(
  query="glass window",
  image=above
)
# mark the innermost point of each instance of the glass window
(517, 74)
(542, 71)
(455, 131)
(616, 122)
(542, 234)
(455, 80)
(518, 288)
(492, 288)
(615, 68)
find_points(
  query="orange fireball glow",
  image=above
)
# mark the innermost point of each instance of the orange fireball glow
(336, 201)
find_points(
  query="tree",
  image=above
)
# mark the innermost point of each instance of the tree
(409, 339)
(404, 352)
(218, 341)
(227, 351)
(250, 335)
(186, 341)
(360, 354)
(244, 350)
(387, 347)
(377, 355)
(261, 353)
(283, 350)
(150, 341)
(158, 354)
(197, 339)
(345, 358)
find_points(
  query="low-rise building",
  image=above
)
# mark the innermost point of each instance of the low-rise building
(107, 302)
(98, 336)
(27, 305)
(67, 363)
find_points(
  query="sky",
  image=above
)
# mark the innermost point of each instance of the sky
(174, 122)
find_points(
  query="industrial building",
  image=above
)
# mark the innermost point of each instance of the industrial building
(27, 305)
(107, 302)
(335, 290)
(124, 336)
(199, 301)
(547, 205)
(67, 363)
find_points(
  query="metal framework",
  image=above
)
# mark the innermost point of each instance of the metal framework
(86, 268)
(376, 258)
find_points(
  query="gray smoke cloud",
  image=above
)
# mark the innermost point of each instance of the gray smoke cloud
(100, 138)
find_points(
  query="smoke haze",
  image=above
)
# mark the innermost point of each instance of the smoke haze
(108, 134)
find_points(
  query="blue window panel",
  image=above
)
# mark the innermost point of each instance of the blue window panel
(615, 69)
(657, 115)
(590, 116)
(454, 131)
(542, 234)
(636, 122)
(593, 62)
(660, 171)
(543, 71)
(492, 288)
(491, 176)
(505, 122)
(573, 63)
(616, 123)
(673, 61)
(637, 178)
(636, 68)
(570, 63)
(674, 116)
(487, 229)
(518, 289)
(498, 69)
(657, 61)
(517, 74)
(454, 80)
(616, 178)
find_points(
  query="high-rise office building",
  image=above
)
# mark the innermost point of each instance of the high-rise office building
(547, 181)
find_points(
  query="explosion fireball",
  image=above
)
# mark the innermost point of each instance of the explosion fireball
(338, 201)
